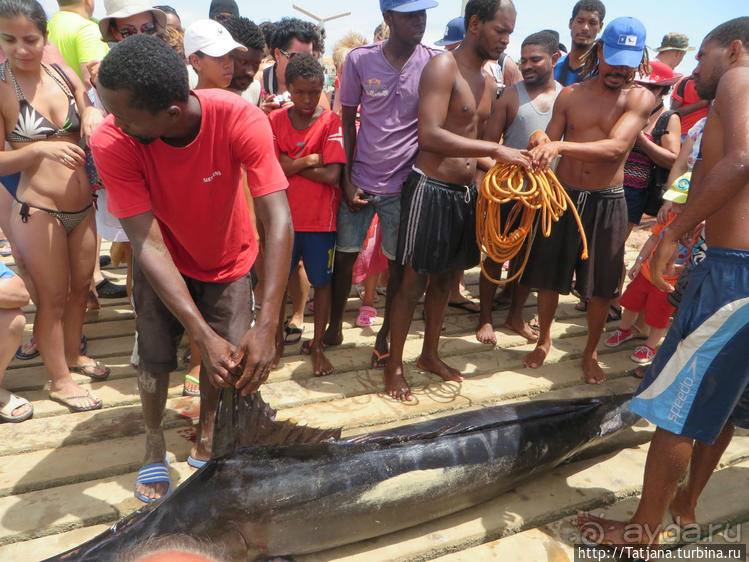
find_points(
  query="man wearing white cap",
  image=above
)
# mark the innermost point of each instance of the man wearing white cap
(208, 47)
(599, 120)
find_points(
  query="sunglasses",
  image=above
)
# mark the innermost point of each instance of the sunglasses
(287, 54)
(222, 16)
(129, 30)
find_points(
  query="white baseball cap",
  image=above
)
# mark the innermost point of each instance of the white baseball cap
(211, 38)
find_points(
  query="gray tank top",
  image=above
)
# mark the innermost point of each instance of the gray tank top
(527, 120)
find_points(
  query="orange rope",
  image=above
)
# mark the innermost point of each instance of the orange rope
(532, 192)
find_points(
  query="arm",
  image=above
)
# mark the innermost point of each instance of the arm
(292, 166)
(687, 109)
(330, 174)
(665, 154)
(611, 149)
(435, 90)
(257, 347)
(729, 175)
(645, 251)
(90, 116)
(352, 194)
(510, 72)
(149, 250)
(13, 293)
(503, 113)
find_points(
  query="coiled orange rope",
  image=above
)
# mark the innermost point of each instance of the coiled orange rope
(532, 192)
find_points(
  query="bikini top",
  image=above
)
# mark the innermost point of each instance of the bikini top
(32, 125)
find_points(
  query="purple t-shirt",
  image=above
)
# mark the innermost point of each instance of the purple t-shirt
(387, 140)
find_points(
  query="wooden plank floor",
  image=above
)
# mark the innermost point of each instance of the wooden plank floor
(65, 477)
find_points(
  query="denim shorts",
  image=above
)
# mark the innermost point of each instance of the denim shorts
(353, 227)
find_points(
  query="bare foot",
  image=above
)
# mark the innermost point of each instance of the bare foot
(485, 334)
(320, 363)
(333, 336)
(536, 358)
(523, 328)
(395, 383)
(607, 531)
(682, 511)
(592, 371)
(439, 367)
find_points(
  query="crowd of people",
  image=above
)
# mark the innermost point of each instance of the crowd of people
(232, 168)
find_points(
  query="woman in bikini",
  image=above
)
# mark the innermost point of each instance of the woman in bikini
(52, 219)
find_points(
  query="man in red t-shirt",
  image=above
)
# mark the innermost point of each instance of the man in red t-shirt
(688, 104)
(172, 160)
(309, 145)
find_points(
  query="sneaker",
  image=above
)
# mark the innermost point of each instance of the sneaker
(619, 337)
(643, 354)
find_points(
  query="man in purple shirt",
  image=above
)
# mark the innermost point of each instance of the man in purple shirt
(383, 79)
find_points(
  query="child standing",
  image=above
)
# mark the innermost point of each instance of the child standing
(641, 294)
(309, 145)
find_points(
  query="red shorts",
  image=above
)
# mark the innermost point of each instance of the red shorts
(641, 293)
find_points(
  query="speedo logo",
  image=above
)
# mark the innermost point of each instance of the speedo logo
(685, 389)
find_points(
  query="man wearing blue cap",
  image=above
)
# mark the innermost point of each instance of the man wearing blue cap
(599, 120)
(454, 33)
(383, 79)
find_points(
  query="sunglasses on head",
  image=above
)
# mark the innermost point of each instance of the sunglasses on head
(130, 29)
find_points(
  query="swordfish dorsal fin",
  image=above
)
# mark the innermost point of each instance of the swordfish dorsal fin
(247, 421)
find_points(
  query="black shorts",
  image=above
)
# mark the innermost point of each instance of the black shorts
(226, 307)
(555, 259)
(437, 225)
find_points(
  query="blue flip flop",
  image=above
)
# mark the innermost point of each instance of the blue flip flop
(195, 463)
(150, 474)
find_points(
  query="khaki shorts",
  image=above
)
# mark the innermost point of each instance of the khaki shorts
(226, 307)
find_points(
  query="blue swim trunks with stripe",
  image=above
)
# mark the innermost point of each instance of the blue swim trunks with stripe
(699, 378)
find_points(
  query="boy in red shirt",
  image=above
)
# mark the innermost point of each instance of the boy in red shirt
(642, 295)
(309, 146)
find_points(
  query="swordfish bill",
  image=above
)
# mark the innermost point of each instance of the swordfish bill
(275, 488)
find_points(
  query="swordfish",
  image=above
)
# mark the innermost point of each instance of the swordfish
(274, 488)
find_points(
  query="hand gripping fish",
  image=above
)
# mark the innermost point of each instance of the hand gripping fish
(274, 488)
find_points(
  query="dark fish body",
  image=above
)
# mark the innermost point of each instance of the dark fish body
(294, 499)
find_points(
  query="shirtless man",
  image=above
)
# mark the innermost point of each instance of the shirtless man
(437, 236)
(524, 108)
(599, 120)
(697, 388)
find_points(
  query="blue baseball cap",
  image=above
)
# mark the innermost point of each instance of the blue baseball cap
(624, 42)
(406, 5)
(454, 33)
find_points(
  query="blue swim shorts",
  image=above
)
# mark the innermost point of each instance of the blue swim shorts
(699, 379)
(316, 250)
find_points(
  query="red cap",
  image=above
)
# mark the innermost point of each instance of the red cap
(660, 75)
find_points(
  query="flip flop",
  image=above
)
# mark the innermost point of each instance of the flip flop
(13, 402)
(379, 360)
(5, 248)
(152, 474)
(366, 317)
(185, 392)
(615, 314)
(293, 334)
(73, 408)
(465, 305)
(97, 370)
(35, 350)
(534, 324)
(195, 463)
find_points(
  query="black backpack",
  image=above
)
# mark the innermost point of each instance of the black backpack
(658, 175)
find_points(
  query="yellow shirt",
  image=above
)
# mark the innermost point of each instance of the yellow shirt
(78, 39)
